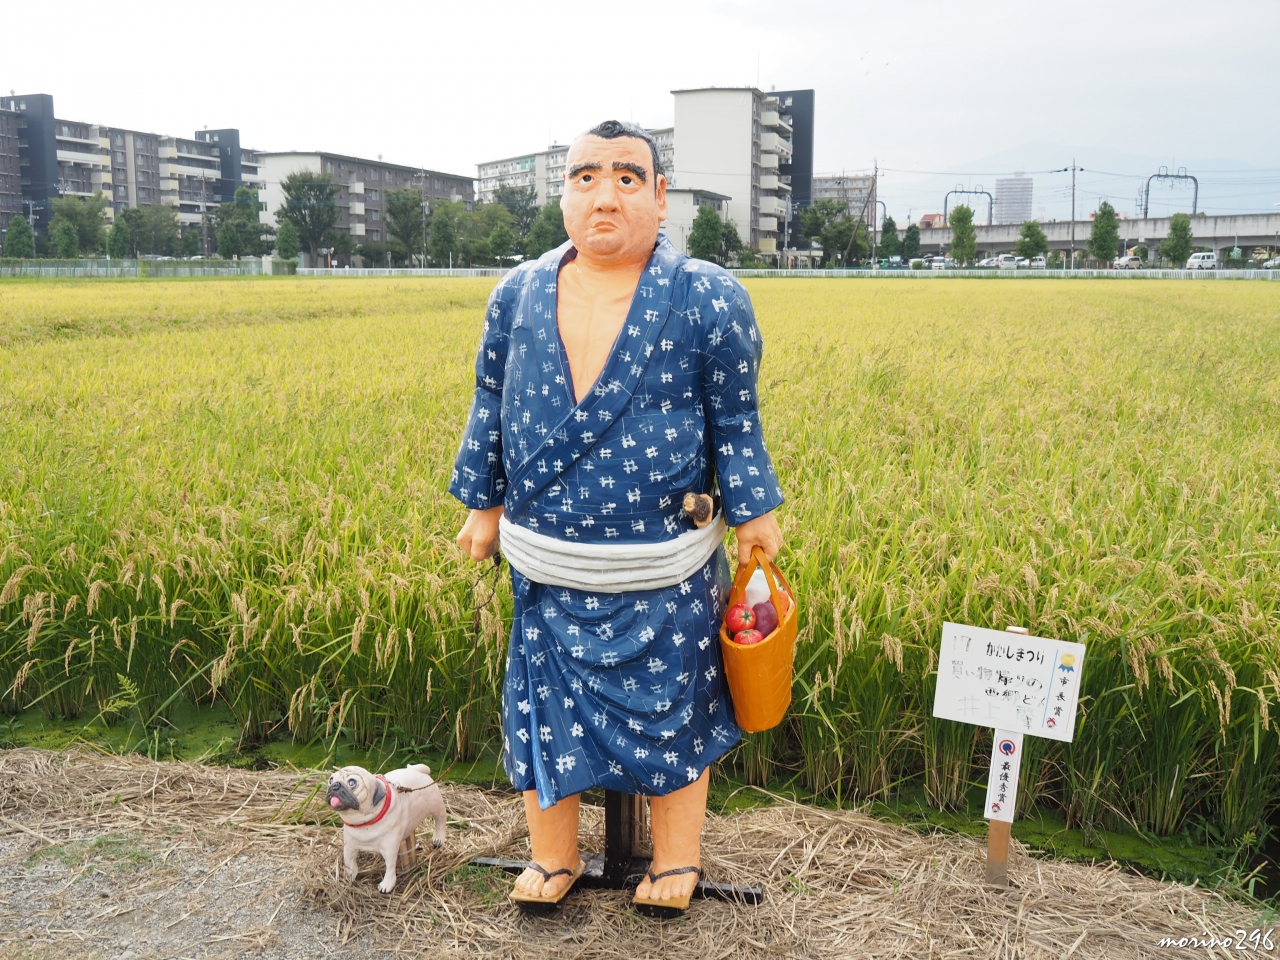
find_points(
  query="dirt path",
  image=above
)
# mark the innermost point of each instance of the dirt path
(111, 857)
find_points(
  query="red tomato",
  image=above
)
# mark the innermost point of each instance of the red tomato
(748, 637)
(740, 617)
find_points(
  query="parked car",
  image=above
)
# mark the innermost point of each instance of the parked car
(1007, 261)
(944, 263)
(1038, 263)
(988, 262)
(1203, 261)
(1127, 263)
(1273, 264)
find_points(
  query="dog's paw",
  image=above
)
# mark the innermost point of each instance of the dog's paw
(350, 874)
(386, 886)
(437, 843)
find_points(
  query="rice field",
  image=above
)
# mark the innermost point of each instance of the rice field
(233, 490)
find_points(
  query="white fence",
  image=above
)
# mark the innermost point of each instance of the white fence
(400, 272)
(64, 269)
(852, 274)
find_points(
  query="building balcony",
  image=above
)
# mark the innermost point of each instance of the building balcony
(356, 208)
(357, 229)
(767, 224)
(773, 207)
(82, 141)
(772, 120)
(772, 143)
(767, 245)
(768, 161)
(771, 181)
(167, 152)
(83, 158)
(356, 187)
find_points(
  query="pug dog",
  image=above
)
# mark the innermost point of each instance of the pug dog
(380, 811)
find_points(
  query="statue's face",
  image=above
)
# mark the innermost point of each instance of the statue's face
(611, 204)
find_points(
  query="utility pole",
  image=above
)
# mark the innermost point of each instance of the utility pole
(422, 175)
(1074, 168)
(875, 196)
(204, 216)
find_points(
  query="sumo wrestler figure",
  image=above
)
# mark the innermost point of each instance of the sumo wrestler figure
(615, 376)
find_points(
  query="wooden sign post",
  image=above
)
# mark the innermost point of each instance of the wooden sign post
(1018, 687)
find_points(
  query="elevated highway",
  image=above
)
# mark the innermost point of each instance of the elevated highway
(1246, 230)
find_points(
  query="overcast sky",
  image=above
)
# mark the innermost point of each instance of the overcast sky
(938, 93)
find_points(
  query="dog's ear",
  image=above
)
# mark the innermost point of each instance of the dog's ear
(379, 793)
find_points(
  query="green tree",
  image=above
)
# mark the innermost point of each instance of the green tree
(309, 205)
(444, 246)
(375, 253)
(405, 219)
(1177, 246)
(911, 242)
(89, 218)
(19, 242)
(890, 244)
(731, 246)
(1141, 252)
(1104, 237)
(547, 231)
(521, 203)
(502, 242)
(841, 237)
(189, 246)
(287, 241)
(239, 230)
(1031, 241)
(228, 239)
(964, 238)
(120, 240)
(155, 229)
(66, 241)
(704, 238)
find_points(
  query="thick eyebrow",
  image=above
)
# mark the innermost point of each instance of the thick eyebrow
(640, 172)
(578, 168)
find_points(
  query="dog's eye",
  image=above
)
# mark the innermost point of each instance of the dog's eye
(351, 782)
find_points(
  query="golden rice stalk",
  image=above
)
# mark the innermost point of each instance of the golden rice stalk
(10, 591)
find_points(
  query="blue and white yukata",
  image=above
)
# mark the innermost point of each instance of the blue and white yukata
(622, 690)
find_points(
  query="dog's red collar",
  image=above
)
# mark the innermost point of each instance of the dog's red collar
(386, 805)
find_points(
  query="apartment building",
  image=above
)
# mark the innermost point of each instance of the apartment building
(363, 187)
(683, 206)
(134, 167)
(543, 172)
(733, 141)
(1013, 199)
(10, 168)
(797, 107)
(853, 189)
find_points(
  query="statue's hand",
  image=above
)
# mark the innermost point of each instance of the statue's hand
(479, 535)
(762, 532)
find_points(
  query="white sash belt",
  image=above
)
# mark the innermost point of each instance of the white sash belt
(609, 567)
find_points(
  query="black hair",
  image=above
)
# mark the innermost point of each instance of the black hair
(613, 129)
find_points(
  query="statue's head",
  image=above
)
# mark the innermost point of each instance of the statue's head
(615, 193)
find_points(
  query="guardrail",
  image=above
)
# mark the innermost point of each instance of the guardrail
(115, 269)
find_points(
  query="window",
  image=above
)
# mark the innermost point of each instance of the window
(119, 140)
(328, 166)
(376, 214)
(376, 234)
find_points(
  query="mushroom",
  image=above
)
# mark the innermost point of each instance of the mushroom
(698, 506)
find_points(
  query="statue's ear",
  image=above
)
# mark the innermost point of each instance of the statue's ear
(379, 793)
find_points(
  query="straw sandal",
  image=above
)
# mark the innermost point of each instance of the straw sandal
(676, 904)
(547, 875)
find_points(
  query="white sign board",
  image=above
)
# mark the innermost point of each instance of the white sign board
(1002, 781)
(1009, 681)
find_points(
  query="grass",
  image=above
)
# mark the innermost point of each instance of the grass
(233, 492)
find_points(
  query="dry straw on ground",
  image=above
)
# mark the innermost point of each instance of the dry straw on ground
(839, 883)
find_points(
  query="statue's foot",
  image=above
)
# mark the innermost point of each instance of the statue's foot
(547, 882)
(672, 886)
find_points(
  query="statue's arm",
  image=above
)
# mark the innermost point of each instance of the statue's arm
(479, 478)
(749, 487)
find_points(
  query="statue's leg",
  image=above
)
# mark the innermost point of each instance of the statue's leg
(675, 823)
(553, 838)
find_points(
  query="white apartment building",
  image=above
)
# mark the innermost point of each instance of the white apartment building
(544, 172)
(682, 207)
(731, 142)
(1013, 199)
(852, 188)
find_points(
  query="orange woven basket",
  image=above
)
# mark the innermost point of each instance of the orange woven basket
(759, 674)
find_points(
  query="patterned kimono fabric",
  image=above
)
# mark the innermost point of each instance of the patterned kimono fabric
(621, 690)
